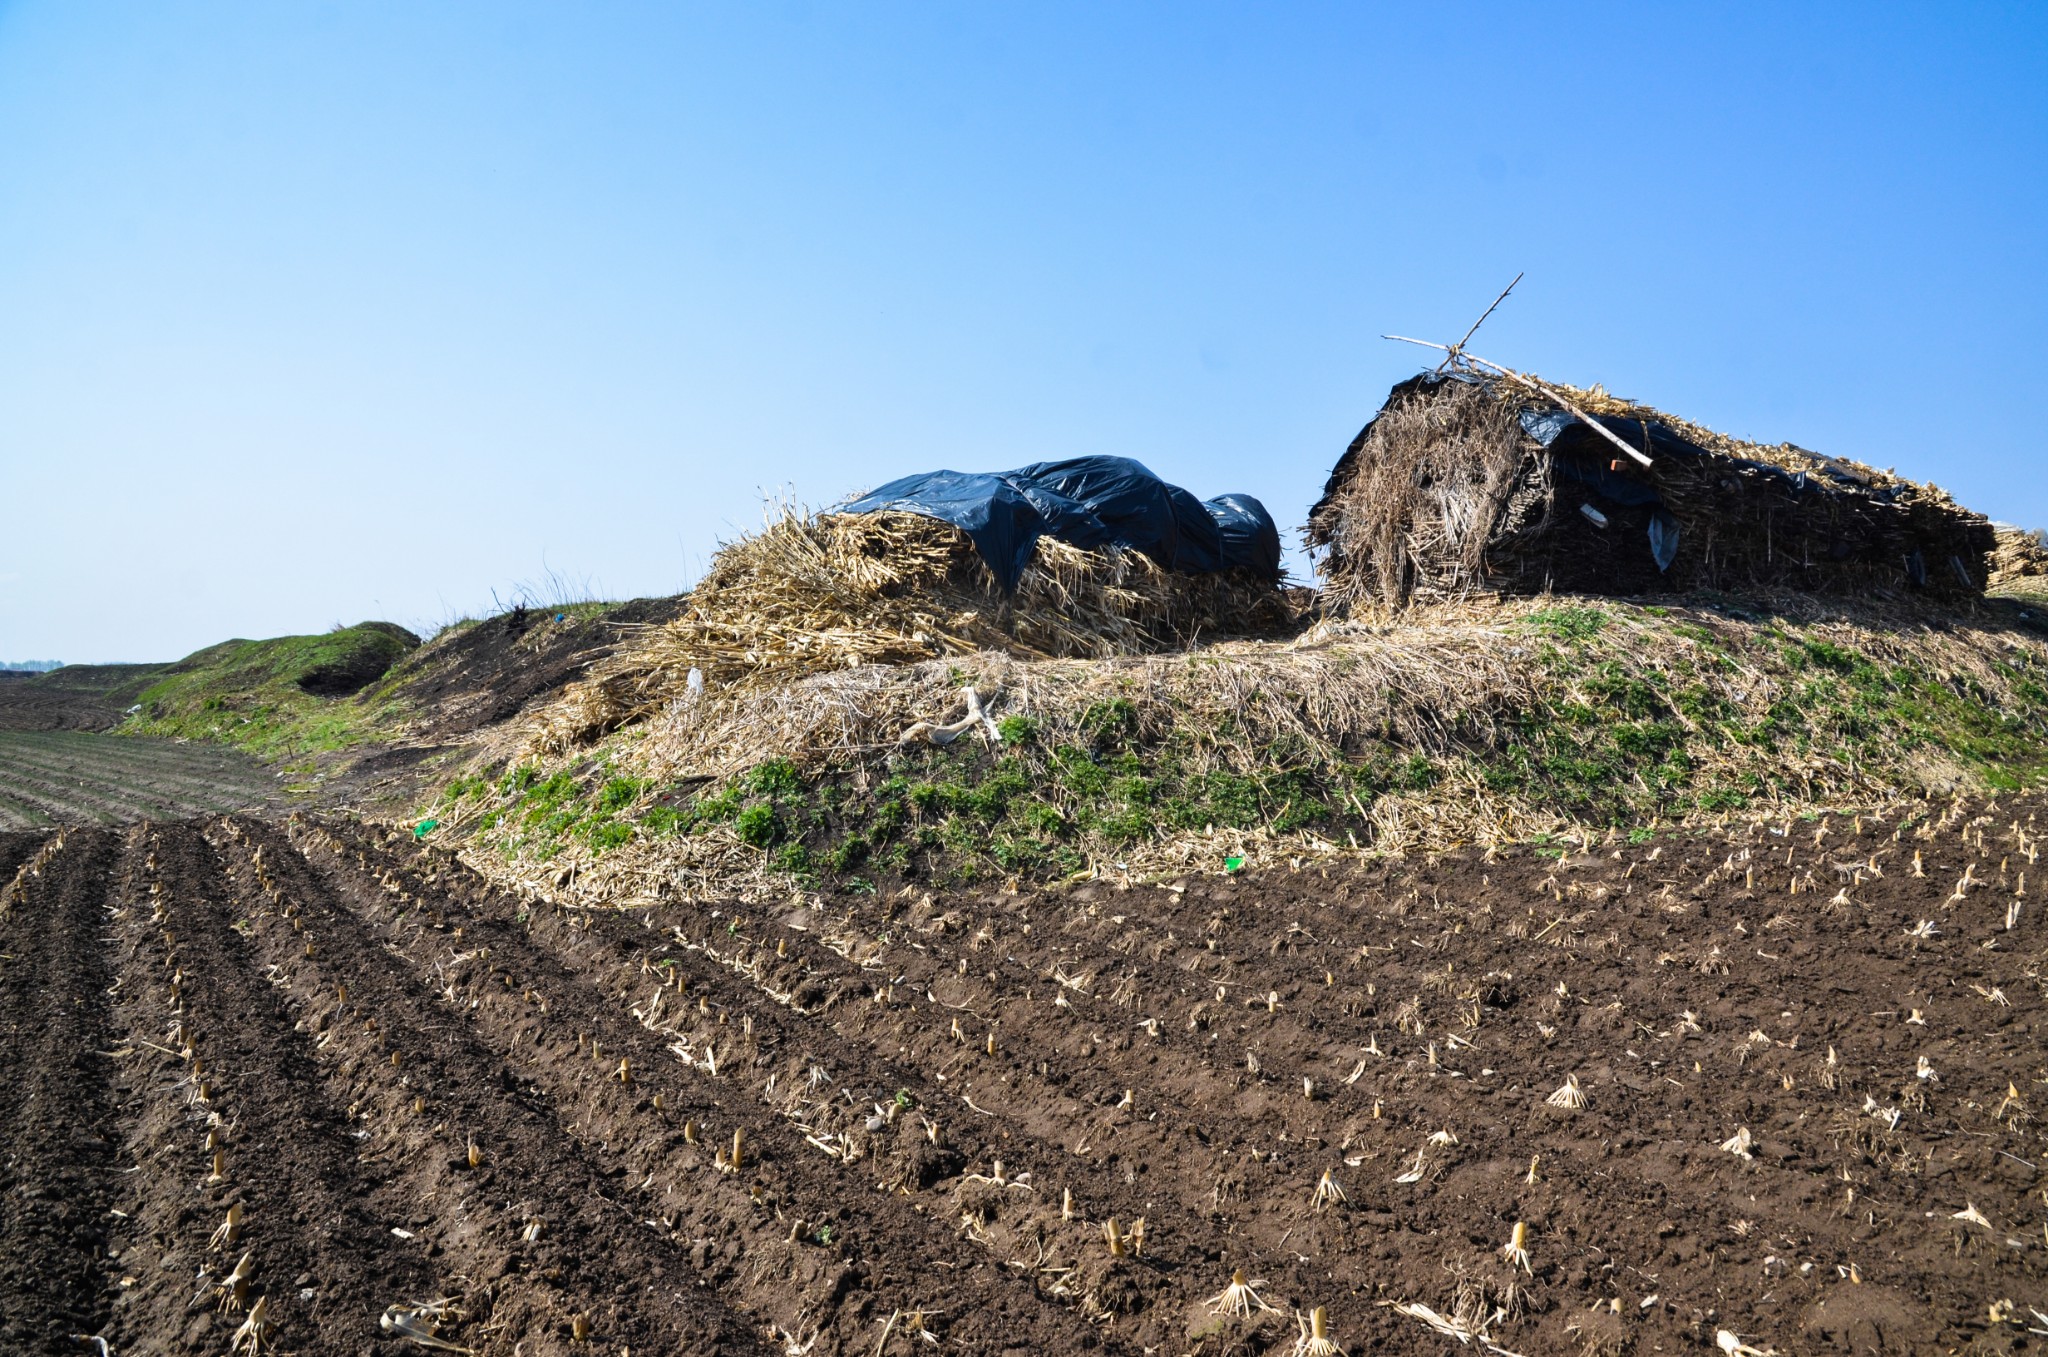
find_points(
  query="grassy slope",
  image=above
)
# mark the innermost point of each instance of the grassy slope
(248, 693)
(1609, 714)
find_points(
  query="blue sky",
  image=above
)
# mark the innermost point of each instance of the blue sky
(314, 313)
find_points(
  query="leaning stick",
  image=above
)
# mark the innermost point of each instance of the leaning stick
(1538, 387)
(1457, 350)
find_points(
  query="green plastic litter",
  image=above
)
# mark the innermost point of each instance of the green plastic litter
(424, 828)
(1231, 864)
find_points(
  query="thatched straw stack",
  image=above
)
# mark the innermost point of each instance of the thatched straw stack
(1448, 491)
(2020, 556)
(817, 592)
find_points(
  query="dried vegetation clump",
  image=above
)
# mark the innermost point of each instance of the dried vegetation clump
(2021, 556)
(1433, 479)
(813, 593)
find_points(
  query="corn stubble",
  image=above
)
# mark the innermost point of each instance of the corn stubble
(1563, 966)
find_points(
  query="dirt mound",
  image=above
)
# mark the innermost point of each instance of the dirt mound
(1485, 723)
(478, 674)
(471, 677)
(1776, 1082)
(361, 666)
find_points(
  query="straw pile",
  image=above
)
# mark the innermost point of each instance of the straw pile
(1448, 492)
(2020, 555)
(818, 592)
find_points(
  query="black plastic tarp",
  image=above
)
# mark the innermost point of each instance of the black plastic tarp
(1551, 427)
(1089, 502)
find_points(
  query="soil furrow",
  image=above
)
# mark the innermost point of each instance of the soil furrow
(1687, 994)
(825, 1018)
(57, 1156)
(831, 1179)
(117, 795)
(118, 787)
(16, 848)
(545, 1245)
(19, 818)
(110, 760)
(54, 804)
(130, 751)
(310, 1233)
(1777, 1080)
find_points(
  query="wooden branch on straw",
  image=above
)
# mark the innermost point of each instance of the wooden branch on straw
(1457, 350)
(1539, 388)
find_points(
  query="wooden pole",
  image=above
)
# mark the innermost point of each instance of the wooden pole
(1457, 350)
(1539, 388)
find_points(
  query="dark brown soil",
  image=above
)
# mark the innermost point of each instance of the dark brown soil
(58, 1169)
(66, 777)
(424, 1090)
(76, 697)
(490, 671)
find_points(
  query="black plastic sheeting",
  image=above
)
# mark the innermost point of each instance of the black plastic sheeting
(1089, 502)
(1549, 427)
(1562, 431)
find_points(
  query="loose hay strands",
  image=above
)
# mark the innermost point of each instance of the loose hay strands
(1429, 482)
(1444, 494)
(813, 593)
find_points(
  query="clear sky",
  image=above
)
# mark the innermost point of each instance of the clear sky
(311, 313)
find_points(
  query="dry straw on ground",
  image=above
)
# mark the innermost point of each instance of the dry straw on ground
(1445, 494)
(814, 593)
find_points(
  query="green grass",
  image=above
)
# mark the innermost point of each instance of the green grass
(266, 697)
(1624, 729)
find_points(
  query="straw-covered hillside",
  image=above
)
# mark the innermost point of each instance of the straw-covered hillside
(1488, 723)
(852, 698)
(1469, 483)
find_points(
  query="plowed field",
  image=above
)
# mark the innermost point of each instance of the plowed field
(61, 777)
(307, 1087)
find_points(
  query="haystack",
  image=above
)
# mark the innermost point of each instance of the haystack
(1465, 482)
(815, 592)
(2020, 557)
